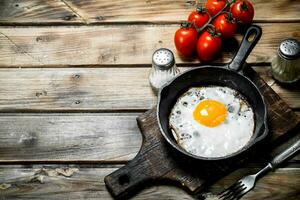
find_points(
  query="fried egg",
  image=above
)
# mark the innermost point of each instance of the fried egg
(212, 121)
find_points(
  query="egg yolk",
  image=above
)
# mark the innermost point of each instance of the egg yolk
(210, 113)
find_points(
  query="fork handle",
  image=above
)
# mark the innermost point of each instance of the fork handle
(286, 154)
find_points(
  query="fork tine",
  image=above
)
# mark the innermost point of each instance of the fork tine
(230, 188)
(232, 197)
(242, 193)
(239, 192)
(227, 193)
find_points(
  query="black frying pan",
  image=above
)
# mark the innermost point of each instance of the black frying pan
(230, 75)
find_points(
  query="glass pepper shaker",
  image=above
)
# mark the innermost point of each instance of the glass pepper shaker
(285, 66)
(163, 68)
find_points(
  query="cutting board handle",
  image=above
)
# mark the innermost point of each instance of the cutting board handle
(129, 178)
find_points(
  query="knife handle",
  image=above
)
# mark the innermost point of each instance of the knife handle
(286, 154)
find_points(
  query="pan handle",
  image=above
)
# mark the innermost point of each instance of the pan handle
(250, 39)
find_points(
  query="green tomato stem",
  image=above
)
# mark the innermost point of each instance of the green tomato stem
(211, 18)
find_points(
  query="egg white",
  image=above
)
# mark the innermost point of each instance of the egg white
(229, 137)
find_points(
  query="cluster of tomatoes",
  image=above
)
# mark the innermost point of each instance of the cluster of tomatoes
(206, 27)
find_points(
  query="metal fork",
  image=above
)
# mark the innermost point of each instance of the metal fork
(244, 185)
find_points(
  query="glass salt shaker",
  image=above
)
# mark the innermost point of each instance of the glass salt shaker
(285, 66)
(163, 68)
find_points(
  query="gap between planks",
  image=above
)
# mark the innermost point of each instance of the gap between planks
(158, 23)
(182, 65)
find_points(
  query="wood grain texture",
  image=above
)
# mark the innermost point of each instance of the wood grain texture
(112, 44)
(75, 137)
(36, 11)
(67, 137)
(90, 89)
(129, 11)
(86, 182)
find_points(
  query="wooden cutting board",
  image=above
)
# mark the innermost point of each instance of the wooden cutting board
(157, 163)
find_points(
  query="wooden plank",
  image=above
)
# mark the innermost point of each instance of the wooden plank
(36, 11)
(111, 44)
(93, 89)
(129, 11)
(89, 137)
(157, 11)
(74, 182)
(64, 137)
(90, 89)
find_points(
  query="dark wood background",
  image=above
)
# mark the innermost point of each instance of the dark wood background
(74, 77)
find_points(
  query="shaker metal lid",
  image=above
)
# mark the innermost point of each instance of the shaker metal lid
(163, 58)
(289, 49)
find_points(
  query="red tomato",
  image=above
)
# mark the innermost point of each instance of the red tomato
(200, 17)
(208, 46)
(243, 11)
(225, 25)
(214, 6)
(185, 40)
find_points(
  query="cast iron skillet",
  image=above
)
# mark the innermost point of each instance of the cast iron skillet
(230, 75)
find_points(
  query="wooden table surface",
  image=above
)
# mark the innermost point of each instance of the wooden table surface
(74, 77)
